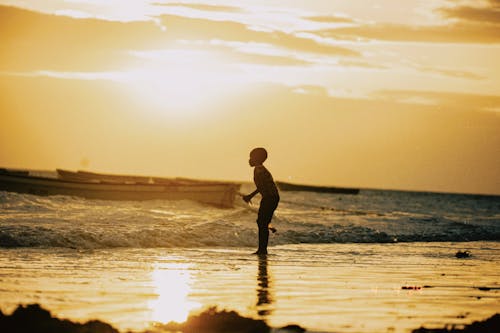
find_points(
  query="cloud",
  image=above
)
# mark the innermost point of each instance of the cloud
(451, 73)
(446, 100)
(494, 3)
(197, 28)
(398, 100)
(37, 41)
(266, 59)
(329, 19)
(473, 25)
(202, 7)
(82, 76)
(481, 15)
(454, 33)
(227, 53)
(321, 99)
(310, 90)
(361, 63)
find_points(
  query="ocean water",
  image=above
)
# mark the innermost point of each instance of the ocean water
(379, 261)
(302, 217)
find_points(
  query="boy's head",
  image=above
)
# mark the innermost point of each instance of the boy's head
(257, 156)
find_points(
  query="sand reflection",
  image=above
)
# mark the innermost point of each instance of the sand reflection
(172, 284)
(264, 291)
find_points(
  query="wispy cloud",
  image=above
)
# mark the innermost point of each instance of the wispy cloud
(228, 52)
(196, 28)
(86, 76)
(362, 64)
(202, 7)
(329, 19)
(451, 72)
(310, 90)
(479, 24)
(446, 100)
(55, 42)
(391, 100)
(481, 14)
(454, 33)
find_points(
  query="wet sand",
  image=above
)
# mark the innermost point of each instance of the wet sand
(323, 288)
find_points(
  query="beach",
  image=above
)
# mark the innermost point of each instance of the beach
(323, 288)
(137, 139)
(352, 275)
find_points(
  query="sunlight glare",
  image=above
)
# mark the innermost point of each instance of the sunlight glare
(172, 284)
(180, 82)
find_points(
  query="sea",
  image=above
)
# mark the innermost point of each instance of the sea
(378, 261)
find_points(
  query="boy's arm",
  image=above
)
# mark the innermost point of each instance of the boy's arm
(249, 197)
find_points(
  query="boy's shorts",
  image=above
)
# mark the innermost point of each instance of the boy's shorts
(266, 210)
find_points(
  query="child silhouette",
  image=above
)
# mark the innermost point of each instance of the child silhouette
(270, 196)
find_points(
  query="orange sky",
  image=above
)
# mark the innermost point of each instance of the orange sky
(373, 94)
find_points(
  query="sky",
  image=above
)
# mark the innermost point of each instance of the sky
(384, 94)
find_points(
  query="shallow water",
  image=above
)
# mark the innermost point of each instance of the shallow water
(325, 288)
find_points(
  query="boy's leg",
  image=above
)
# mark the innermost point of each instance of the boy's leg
(263, 238)
(266, 211)
(273, 208)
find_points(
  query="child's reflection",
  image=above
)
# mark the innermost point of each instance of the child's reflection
(264, 297)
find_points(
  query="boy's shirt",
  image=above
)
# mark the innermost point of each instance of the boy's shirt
(265, 182)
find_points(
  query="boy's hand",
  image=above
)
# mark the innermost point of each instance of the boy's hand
(247, 198)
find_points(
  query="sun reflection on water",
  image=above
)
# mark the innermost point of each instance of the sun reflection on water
(172, 284)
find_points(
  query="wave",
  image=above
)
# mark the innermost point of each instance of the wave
(30, 221)
(224, 234)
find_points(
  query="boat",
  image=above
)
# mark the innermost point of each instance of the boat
(119, 187)
(86, 176)
(283, 186)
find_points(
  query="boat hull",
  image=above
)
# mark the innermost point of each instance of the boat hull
(221, 195)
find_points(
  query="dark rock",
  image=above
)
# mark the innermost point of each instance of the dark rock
(462, 254)
(411, 287)
(32, 318)
(294, 328)
(489, 325)
(214, 321)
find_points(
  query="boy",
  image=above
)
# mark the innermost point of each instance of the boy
(270, 196)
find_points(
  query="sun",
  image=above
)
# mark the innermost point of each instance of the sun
(181, 82)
